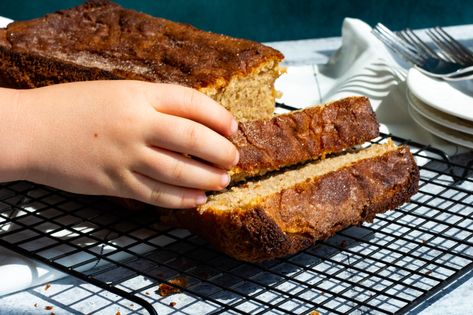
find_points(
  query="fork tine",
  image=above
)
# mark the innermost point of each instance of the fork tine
(394, 43)
(409, 36)
(430, 51)
(431, 66)
(455, 43)
(459, 47)
(394, 39)
(447, 49)
(390, 34)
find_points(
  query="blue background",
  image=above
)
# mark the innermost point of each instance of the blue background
(271, 20)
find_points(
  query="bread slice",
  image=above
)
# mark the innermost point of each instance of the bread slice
(100, 40)
(285, 213)
(299, 136)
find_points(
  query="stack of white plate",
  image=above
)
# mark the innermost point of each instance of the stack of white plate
(443, 108)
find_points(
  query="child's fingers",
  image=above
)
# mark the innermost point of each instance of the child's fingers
(188, 103)
(185, 136)
(175, 169)
(164, 195)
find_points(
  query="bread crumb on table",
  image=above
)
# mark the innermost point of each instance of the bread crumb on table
(166, 289)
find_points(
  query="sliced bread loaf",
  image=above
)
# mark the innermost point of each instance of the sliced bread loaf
(270, 144)
(287, 212)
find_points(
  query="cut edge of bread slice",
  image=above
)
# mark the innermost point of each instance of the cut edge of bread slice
(252, 193)
(288, 212)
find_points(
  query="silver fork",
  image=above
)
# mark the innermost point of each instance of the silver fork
(427, 62)
(450, 46)
(410, 37)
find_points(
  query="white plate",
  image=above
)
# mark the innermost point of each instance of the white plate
(445, 133)
(439, 117)
(4, 21)
(454, 98)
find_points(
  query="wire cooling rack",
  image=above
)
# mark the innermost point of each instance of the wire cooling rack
(387, 267)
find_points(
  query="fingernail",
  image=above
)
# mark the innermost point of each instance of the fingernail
(234, 127)
(237, 158)
(225, 180)
(201, 199)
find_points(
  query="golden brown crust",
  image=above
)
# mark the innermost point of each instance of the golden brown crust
(295, 218)
(27, 70)
(3, 38)
(267, 145)
(124, 44)
(4, 77)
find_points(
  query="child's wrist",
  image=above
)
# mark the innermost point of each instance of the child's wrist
(14, 138)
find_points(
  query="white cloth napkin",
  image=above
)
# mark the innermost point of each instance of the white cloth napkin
(361, 66)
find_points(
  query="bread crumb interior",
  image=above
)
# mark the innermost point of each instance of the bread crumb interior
(253, 191)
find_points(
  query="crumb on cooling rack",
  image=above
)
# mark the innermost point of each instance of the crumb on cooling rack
(47, 286)
(118, 313)
(172, 304)
(168, 289)
(48, 307)
(35, 305)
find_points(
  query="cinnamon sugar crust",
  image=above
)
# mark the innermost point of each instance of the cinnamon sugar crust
(289, 219)
(299, 136)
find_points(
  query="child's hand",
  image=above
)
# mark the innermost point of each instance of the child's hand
(123, 138)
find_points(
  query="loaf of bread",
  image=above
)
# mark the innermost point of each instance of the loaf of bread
(287, 212)
(276, 214)
(101, 40)
(270, 144)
